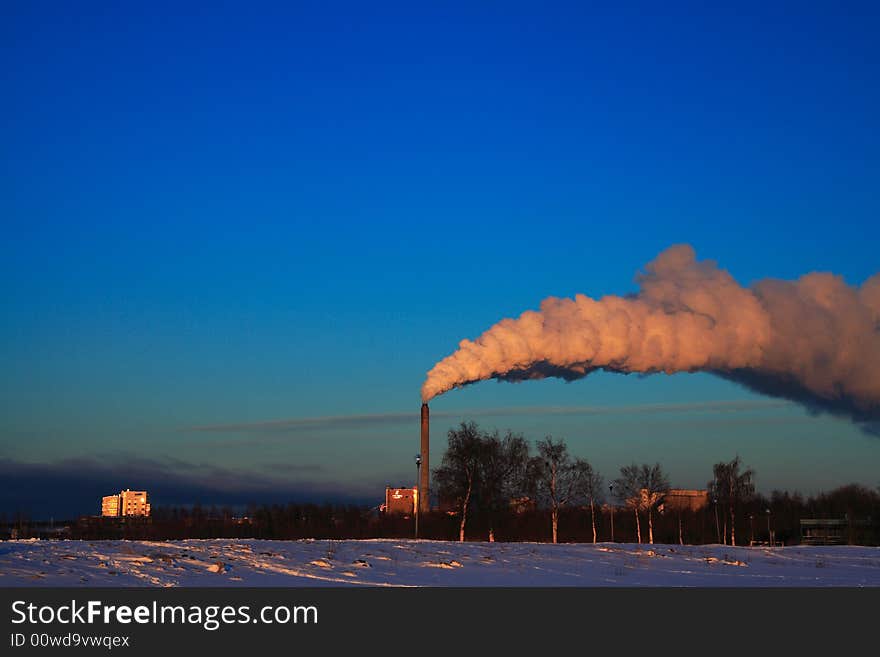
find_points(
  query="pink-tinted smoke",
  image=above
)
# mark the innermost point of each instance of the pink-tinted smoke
(815, 340)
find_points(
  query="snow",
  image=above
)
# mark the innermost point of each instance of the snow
(231, 562)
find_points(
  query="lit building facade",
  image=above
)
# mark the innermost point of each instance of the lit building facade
(126, 503)
(401, 500)
(110, 505)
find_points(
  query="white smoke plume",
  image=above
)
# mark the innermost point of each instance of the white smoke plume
(815, 340)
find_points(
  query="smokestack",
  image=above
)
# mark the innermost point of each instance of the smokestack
(425, 470)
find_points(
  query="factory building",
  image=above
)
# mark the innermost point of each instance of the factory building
(682, 499)
(126, 503)
(401, 501)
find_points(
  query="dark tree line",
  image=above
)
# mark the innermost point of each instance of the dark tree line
(491, 485)
(495, 483)
(777, 514)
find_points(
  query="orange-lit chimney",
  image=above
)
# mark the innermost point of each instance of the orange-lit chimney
(425, 470)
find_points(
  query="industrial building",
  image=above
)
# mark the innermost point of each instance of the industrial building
(126, 503)
(824, 531)
(401, 500)
(848, 530)
(682, 499)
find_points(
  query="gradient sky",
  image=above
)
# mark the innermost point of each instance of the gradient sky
(227, 215)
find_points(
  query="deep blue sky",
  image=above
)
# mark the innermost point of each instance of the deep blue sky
(244, 213)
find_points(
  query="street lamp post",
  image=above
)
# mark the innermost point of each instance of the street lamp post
(769, 531)
(611, 500)
(717, 526)
(418, 502)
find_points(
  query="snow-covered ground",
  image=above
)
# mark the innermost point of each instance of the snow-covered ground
(227, 562)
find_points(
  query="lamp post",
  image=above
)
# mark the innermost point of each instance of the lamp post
(717, 526)
(769, 531)
(418, 502)
(611, 500)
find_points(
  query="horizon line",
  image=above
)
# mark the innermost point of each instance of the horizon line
(331, 421)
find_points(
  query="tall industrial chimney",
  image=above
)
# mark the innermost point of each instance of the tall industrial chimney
(425, 470)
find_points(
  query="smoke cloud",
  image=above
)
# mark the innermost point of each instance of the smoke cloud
(815, 340)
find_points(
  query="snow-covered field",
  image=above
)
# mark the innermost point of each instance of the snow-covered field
(226, 562)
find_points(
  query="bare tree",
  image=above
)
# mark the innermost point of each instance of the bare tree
(554, 476)
(592, 485)
(731, 488)
(654, 485)
(456, 478)
(642, 488)
(502, 473)
(628, 491)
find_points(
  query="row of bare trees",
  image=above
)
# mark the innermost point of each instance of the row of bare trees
(483, 473)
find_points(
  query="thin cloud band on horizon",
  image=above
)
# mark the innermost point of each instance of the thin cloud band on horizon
(294, 425)
(70, 487)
